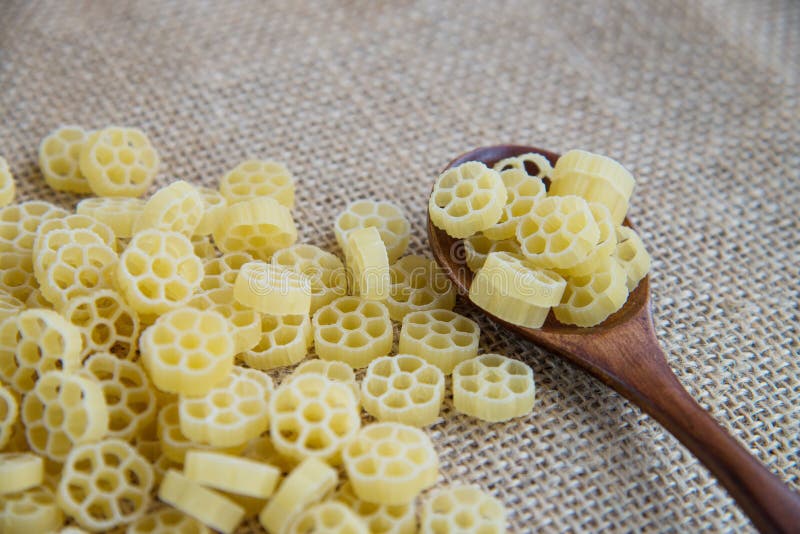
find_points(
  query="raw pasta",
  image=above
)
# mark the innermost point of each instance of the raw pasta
(30, 511)
(526, 163)
(76, 270)
(601, 253)
(462, 509)
(258, 178)
(368, 264)
(174, 444)
(119, 214)
(380, 518)
(106, 323)
(76, 222)
(631, 255)
(386, 217)
(214, 205)
(177, 207)
(441, 337)
(328, 516)
(478, 246)
(222, 271)
(7, 187)
(9, 306)
(418, 283)
(244, 323)
(272, 289)
(260, 226)
(20, 471)
(203, 504)
(324, 271)
(352, 330)
(493, 388)
(166, 520)
(285, 340)
(9, 413)
(228, 473)
(204, 248)
(333, 370)
(59, 156)
(118, 162)
(522, 192)
(589, 300)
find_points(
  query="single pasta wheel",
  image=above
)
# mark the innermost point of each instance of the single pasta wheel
(120, 214)
(177, 207)
(390, 463)
(166, 520)
(258, 178)
(205, 505)
(559, 232)
(324, 271)
(467, 199)
(333, 370)
(75, 222)
(440, 337)
(601, 253)
(589, 300)
(418, 283)
(105, 485)
(313, 416)
(78, 270)
(106, 323)
(7, 187)
(368, 264)
(158, 271)
(46, 245)
(204, 248)
(328, 516)
(307, 484)
(232, 413)
(245, 323)
(130, 397)
(16, 274)
(9, 306)
(9, 414)
(404, 389)
(118, 162)
(511, 276)
(222, 271)
(59, 155)
(36, 341)
(214, 205)
(188, 351)
(595, 178)
(228, 473)
(478, 246)
(272, 289)
(64, 410)
(30, 511)
(532, 164)
(260, 226)
(522, 192)
(631, 255)
(386, 519)
(174, 445)
(463, 509)
(386, 217)
(285, 340)
(352, 330)
(493, 388)
(20, 471)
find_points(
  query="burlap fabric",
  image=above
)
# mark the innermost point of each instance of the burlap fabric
(369, 99)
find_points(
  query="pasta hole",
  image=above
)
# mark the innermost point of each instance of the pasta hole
(535, 244)
(402, 382)
(226, 419)
(314, 412)
(317, 439)
(462, 340)
(552, 224)
(470, 385)
(356, 340)
(464, 189)
(422, 395)
(397, 469)
(389, 449)
(626, 251)
(517, 385)
(77, 421)
(351, 322)
(465, 519)
(197, 362)
(376, 388)
(497, 391)
(438, 342)
(222, 399)
(54, 415)
(190, 341)
(559, 243)
(458, 209)
(581, 299)
(440, 328)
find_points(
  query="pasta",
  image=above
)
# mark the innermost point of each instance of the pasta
(285, 340)
(59, 155)
(76, 270)
(222, 271)
(228, 473)
(324, 271)
(158, 271)
(244, 323)
(403, 389)
(177, 207)
(418, 283)
(493, 388)
(214, 205)
(558, 233)
(352, 330)
(232, 413)
(174, 445)
(260, 226)
(106, 323)
(333, 370)
(205, 505)
(525, 163)
(328, 516)
(589, 300)
(188, 351)
(272, 289)
(467, 199)
(522, 192)
(257, 178)
(119, 214)
(390, 463)
(312, 416)
(595, 178)
(9, 414)
(380, 518)
(462, 509)
(9, 306)
(76, 222)
(600, 254)
(262, 450)
(368, 264)
(478, 246)
(631, 255)
(386, 217)
(7, 187)
(440, 337)
(204, 248)
(20, 471)
(33, 342)
(118, 162)
(166, 520)
(16, 274)
(63, 410)
(307, 484)
(37, 300)
(105, 485)
(30, 511)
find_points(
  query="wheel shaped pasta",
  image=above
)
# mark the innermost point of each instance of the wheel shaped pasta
(59, 158)
(368, 264)
(324, 271)
(589, 300)
(403, 389)
(174, 445)
(76, 222)
(601, 253)
(328, 516)
(20, 471)
(285, 340)
(386, 519)
(106, 323)
(204, 248)
(467, 199)
(440, 337)
(177, 207)
(229, 473)
(9, 306)
(119, 214)
(385, 217)
(462, 509)
(16, 274)
(203, 504)
(118, 162)
(272, 289)
(493, 388)
(522, 192)
(258, 178)
(9, 414)
(260, 226)
(78, 270)
(245, 323)
(47, 244)
(8, 188)
(352, 330)
(333, 370)
(532, 164)
(214, 205)
(30, 511)
(631, 255)
(166, 520)
(222, 271)
(418, 283)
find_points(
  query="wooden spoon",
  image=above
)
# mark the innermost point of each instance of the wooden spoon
(624, 353)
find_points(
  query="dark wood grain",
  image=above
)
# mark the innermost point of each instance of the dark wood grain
(624, 353)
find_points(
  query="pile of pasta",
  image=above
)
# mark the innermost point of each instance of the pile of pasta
(534, 249)
(142, 341)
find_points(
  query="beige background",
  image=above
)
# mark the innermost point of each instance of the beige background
(368, 99)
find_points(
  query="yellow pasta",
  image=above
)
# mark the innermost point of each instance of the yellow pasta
(463, 509)
(158, 271)
(9, 414)
(7, 187)
(441, 337)
(285, 340)
(403, 389)
(324, 271)
(258, 178)
(368, 264)
(328, 517)
(205, 505)
(204, 248)
(313, 416)
(20, 471)
(174, 445)
(418, 283)
(390, 463)
(214, 205)
(106, 323)
(76, 222)
(526, 163)
(119, 214)
(244, 323)
(177, 207)
(600, 254)
(589, 300)
(166, 520)
(37, 300)
(118, 162)
(307, 484)
(478, 246)
(467, 199)
(228, 473)
(76, 270)
(30, 511)
(36, 341)
(352, 330)
(380, 518)
(16, 274)
(333, 370)
(262, 450)
(522, 192)
(493, 388)
(260, 226)
(386, 217)
(59, 156)
(151, 450)
(272, 289)
(188, 351)
(9, 306)
(631, 255)
(595, 178)
(222, 271)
